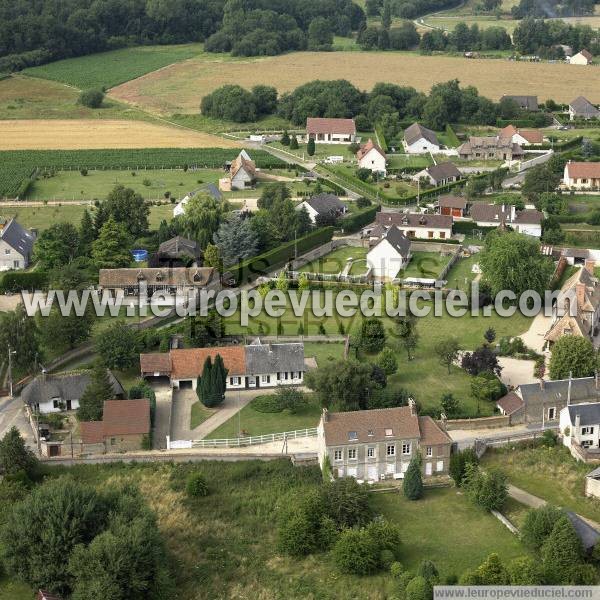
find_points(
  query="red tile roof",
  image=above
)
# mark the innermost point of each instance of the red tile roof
(510, 403)
(188, 363)
(431, 433)
(583, 170)
(126, 417)
(320, 125)
(92, 432)
(366, 148)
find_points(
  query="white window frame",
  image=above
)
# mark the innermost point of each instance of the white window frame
(390, 450)
(338, 455)
(406, 449)
(371, 452)
(587, 430)
(429, 451)
(351, 453)
(439, 466)
(264, 379)
(553, 409)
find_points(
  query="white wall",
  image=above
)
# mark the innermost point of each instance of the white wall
(48, 407)
(529, 229)
(8, 256)
(384, 260)
(312, 213)
(421, 146)
(373, 161)
(422, 233)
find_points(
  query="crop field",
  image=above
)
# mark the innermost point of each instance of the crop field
(443, 21)
(180, 87)
(107, 69)
(75, 134)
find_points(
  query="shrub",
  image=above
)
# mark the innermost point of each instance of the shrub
(459, 462)
(267, 404)
(396, 569)
(356, 552)
(487, 489)
(538, 525)
(91, 98)
(387, 361)
(561, 552)
(418, 588)
(196, 485)
(413, 481)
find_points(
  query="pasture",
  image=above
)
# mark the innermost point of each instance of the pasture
(107, 69)
(77, 134)
(180, 87)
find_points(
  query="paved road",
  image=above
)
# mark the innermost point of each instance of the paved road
(162, 414)
(12, 413)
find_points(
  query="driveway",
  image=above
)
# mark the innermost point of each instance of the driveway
(534, 336)
(515, 371)
(12, 413)
(162, 414)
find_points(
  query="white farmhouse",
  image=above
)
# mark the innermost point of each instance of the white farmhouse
(579, 426)
(330, 131)
(581, 58)
(371, 156)
(242, 172)
(390, 254)
(16, 245)
(582, 175)
(420, 140)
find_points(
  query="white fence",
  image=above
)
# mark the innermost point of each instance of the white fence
(252, 440)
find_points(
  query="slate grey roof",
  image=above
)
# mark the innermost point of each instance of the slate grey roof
(66, 386)
(179, 246)
(595, 474)
(589, 414)
(587, 535)
(443, 171)
(212, 190)
(18, 238)
(583, 389)
(415, 132)
(398, 240)
(583, 107)
(524, 102)
(326, 203)
(529, 216)
(274, 358)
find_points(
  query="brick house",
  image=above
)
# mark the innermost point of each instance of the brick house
(379, 444)
(125, 425)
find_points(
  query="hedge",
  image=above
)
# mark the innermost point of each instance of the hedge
(515, 122)
(17, 281)
(262, 264)
(382, 142)
(452, 137)
(559, 146)
(338, 189)
(467, 227)
(355, 221)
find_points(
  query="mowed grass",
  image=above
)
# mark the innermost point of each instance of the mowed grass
(42, 217)
(179, 88)
(550, 473)
(253, 422)
(423, 376)
(199, 414)
(76, 134)
(335, 261)
(151, 184)
(107, 69)
(446, 528)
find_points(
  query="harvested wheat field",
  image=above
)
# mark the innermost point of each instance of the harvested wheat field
(180, 87)
(93, 134)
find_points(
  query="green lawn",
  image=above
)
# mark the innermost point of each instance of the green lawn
(108, 69)
(399, 161)
(550, 473)
(151, 184)
(336, 261)
(446, 528)
(323, 352)
(42, 217)
(199, 414)
(423, 376)
(13, 590)
(460, 275)
(253, 422)
(321, 151)
(425, 264)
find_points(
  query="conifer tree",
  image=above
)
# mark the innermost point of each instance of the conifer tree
(91, 404)
(413, 481)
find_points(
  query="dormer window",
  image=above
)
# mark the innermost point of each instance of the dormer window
(352, 436)
(370, 433)
(389, 432)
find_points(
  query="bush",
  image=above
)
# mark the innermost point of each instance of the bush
(357, 552)
(91, 98)
(387, 361)
(267, 404)
(538, 525)
(354, 221)
(196, 485)
(459, 462)
(487, 489)
(418, 588)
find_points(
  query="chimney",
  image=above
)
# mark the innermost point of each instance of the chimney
(589, 266)
(325, 415)
(413, 406)
(569, 388)
(577, 422)
(541, 383)
(580, 290)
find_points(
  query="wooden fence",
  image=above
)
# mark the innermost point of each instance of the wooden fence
(254, 440)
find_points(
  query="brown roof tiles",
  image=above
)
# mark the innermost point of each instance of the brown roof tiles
(188, 363)
(316, 125)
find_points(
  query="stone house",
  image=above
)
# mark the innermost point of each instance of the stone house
(577, 308)
(580, 430)
(522, 137)
(16, 245)
(490, 148)
(371, 445)
(124, 427)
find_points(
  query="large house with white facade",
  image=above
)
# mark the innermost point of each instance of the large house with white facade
(420, 140)
(582, 175)
(580, 430)
(417, 225)
(254, 366)
(330, 131)
(389, 255)
(59, 392)
(581, 58)
(527, 221)
(371, 445)
(16, 245)
(522, 137)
